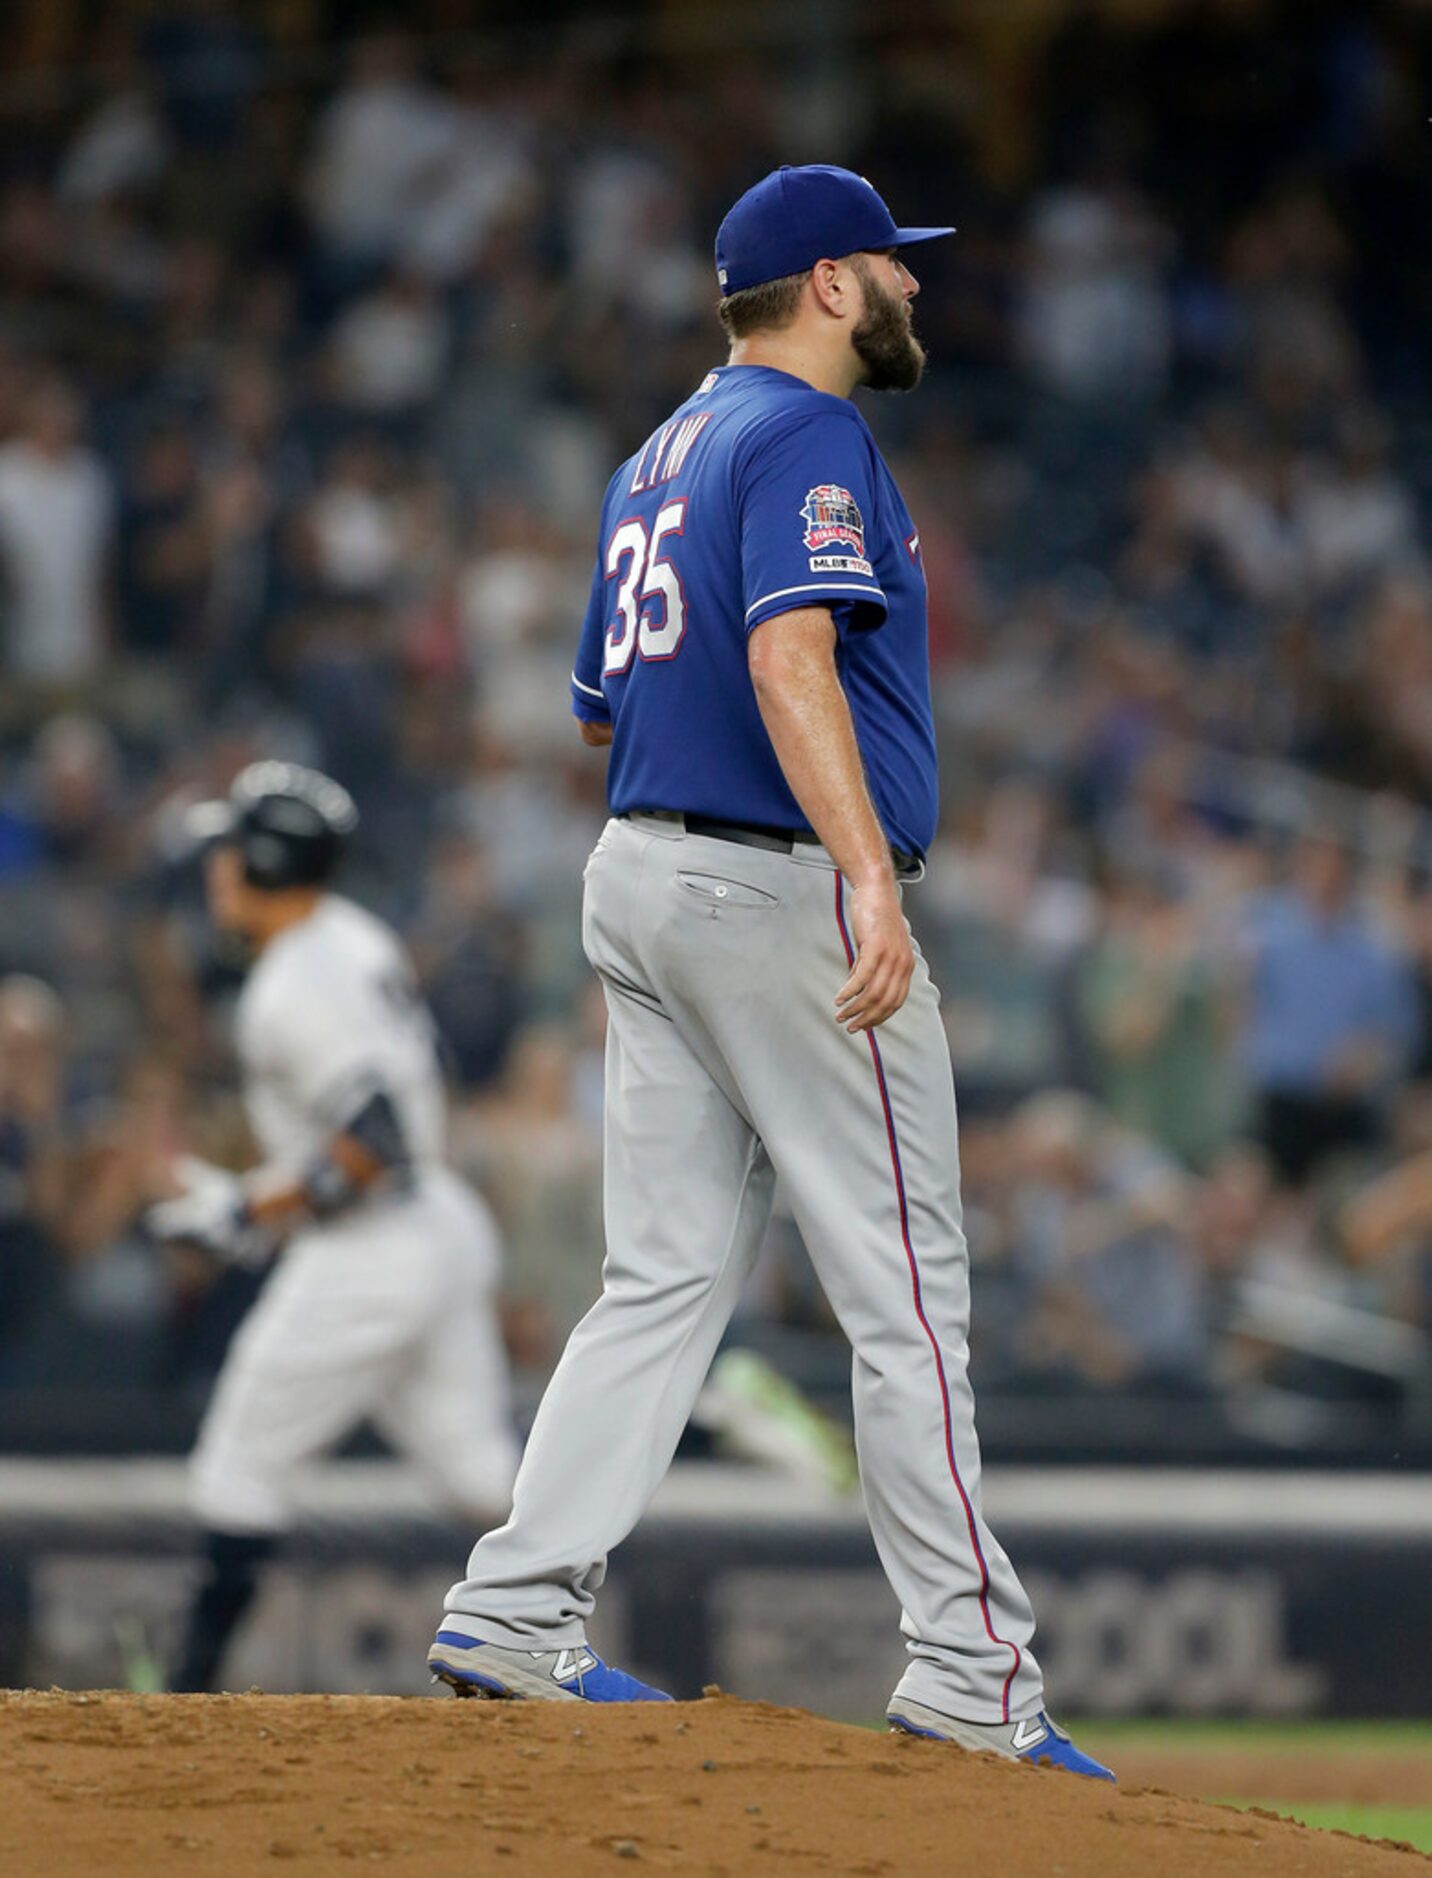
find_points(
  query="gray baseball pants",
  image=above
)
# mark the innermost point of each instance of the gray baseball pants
(725, 1066)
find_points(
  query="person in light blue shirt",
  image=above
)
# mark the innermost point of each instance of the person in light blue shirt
(1331, 1013)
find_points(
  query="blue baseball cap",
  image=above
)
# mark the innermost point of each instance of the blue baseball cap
(795, 217)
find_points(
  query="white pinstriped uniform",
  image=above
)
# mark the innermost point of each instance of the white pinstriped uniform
(385, 1311)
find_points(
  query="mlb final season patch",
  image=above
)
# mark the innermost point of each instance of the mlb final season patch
(832, 514)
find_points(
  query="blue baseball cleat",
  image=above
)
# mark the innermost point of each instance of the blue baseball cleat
(474, 1668)
(1035, 1739)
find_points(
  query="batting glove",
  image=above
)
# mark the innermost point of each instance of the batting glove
(212, 1214)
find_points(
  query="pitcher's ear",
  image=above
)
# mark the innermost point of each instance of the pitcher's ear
(832, 283)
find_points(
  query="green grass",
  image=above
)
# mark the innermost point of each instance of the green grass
(1348, 1737)
(1371, 1820)
(1412, 1824)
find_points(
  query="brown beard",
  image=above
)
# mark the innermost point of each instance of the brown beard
(884, 342)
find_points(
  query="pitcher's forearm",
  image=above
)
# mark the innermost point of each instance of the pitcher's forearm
(807, 718)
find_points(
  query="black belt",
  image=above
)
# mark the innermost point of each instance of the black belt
(757, 835)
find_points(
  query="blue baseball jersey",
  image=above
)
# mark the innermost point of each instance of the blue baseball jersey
(758, 496)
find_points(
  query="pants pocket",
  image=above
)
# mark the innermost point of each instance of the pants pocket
(720, 892)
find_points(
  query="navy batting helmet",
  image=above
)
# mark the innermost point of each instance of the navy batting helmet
(290, 824)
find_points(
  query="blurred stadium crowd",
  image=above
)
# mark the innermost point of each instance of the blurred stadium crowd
(314, 360)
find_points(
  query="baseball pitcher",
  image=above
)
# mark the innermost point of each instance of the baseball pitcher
(755, 653)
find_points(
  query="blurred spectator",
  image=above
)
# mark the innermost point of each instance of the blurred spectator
(482, 179)
(1285, 262)
(1358, 518)
(1281, 1297)
(163, 546)
(1095, 315)
(376, 145)
(1238, 1218)
(253, 472)
(341, 672)
(1329, 1016)
(1114, 1296)
(1003, 928)
(55, 519)
(1385, 1228)
(121, 148)
(32, 1155)
(1384, 735)
(352, 528)
(123, 1153)
(530, 1151)
(388, 350)
(517, 592)
(1225, 506)
(469, 958)
(629, 248)
(63, 817)
(1150, 1000)
(113, 251)
(76, 792)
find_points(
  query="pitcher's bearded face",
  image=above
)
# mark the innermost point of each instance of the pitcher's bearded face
(884, 338)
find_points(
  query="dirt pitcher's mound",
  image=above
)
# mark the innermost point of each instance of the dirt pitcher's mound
(224, 1785)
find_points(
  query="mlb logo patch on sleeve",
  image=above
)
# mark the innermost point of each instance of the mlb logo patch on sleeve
(833, 519)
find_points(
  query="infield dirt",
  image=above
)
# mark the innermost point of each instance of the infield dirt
(227, 1785)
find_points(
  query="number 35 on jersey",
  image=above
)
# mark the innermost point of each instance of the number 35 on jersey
(650, 614)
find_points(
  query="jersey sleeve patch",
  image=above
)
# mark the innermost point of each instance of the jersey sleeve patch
(833, 520)
(839, 564)
(804, 542)
(832, 515)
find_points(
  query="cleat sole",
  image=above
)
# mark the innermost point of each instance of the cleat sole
(473, 1688)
